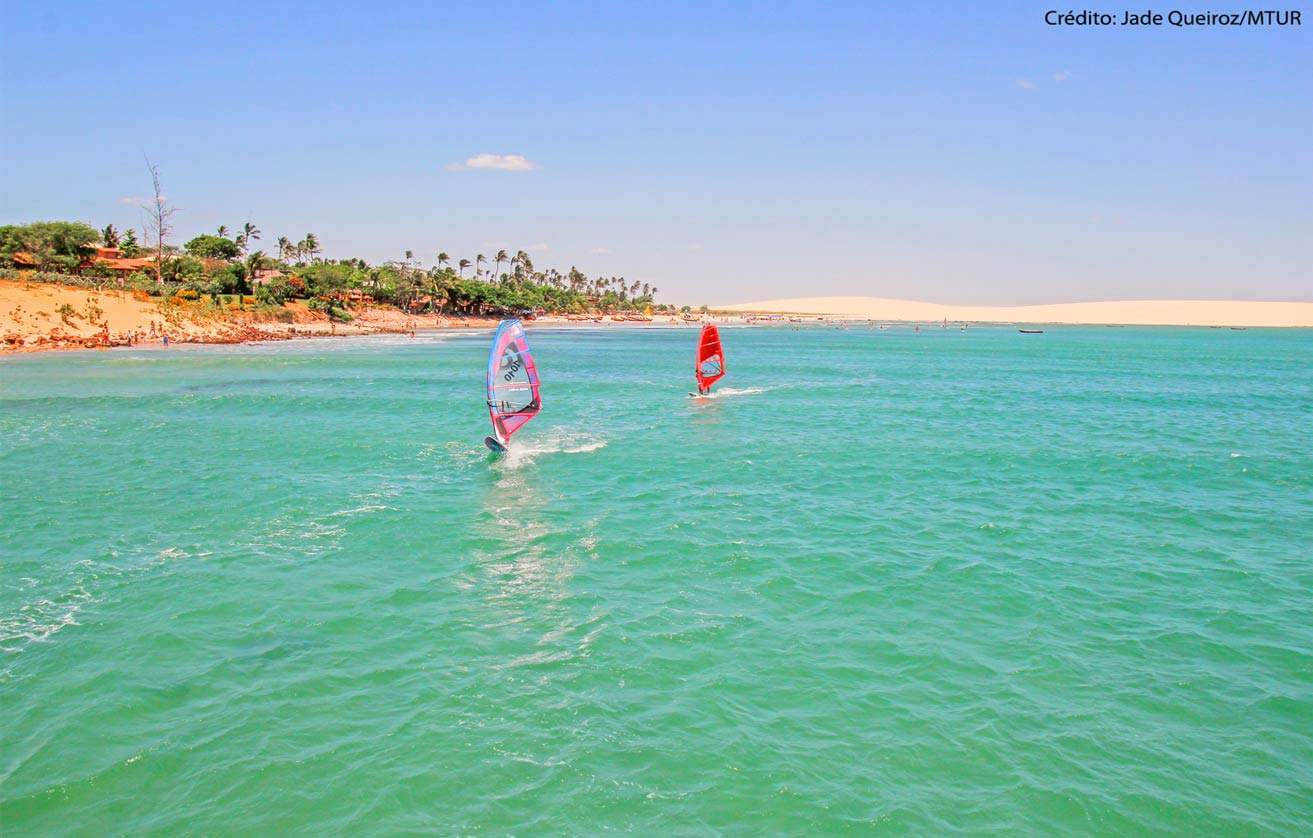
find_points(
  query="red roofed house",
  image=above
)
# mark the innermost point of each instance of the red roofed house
(111, 257)
(263, 275)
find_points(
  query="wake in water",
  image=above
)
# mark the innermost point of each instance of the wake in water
(726, 392)
(555, 441)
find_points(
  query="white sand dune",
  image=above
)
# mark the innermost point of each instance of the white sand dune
(1127, 312)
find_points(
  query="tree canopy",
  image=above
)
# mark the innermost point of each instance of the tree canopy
(213, 247)
(214, 264)
(52, 245)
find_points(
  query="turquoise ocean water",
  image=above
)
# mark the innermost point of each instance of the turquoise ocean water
(919, 582)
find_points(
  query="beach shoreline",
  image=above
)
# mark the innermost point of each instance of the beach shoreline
(41, 317)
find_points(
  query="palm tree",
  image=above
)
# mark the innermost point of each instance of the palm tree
(223, 230)
(443, 258)
(479, 260)
(285, 248)
(310, 245)
(249, 231)
(464, 263)
(410, 255)
(498, 259)
(439, 292)
(255, 262)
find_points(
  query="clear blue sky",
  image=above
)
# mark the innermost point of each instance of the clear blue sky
(723, 152)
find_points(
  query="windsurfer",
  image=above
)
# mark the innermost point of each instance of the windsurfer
(710, 364)
(511, 376)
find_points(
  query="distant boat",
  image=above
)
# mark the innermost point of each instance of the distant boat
(1031, 331)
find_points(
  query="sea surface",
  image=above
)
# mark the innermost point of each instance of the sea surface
(885, 580)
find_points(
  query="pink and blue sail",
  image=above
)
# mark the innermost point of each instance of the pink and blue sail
(513, 397)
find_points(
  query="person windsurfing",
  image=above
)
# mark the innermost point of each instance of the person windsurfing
(710, 366)
(513, 393)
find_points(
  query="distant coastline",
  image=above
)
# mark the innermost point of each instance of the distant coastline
(68, 285)
(1111, 313)
(41, 316)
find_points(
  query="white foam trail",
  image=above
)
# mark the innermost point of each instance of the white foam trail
(364, 508)
(726, 392)
(556, 441)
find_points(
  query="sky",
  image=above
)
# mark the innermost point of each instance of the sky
(948, 152)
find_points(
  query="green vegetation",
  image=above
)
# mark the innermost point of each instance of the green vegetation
(212, 247)
(128, 245)
(49, 245)
(334, 311)
(220, 263)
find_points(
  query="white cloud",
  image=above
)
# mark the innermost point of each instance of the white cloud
(1025, 84)
(142, 202)
(537, 247)
(695, 248)
(599, 251)
(502, 162)
(1061, 75)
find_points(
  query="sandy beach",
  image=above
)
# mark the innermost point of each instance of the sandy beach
(1122, 312)
(37, 317)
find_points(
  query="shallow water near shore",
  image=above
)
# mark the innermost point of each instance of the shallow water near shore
(918, 581)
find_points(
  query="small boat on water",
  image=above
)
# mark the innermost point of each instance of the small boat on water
(1031, 331)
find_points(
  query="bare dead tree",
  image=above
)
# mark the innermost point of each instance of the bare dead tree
(157, 219)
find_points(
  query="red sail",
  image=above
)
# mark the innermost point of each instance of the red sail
(711, 358)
